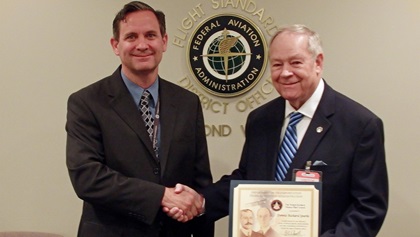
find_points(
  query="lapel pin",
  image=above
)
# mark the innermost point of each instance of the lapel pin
(319, 129)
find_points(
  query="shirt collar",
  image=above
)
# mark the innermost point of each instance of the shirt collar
(309, 107)
(136, 91)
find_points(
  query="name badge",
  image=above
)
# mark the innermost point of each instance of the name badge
(307, 175)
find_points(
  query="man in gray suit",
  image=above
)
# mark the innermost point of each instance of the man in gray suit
(124, 174)
(340, 137)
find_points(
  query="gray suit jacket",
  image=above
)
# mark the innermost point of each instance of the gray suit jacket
(113, 167)
(351, 143)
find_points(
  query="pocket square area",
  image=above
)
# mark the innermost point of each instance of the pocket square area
(319, 163)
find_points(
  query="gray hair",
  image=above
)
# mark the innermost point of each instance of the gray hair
(314, 41)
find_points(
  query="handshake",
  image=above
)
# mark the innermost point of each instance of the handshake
(182, 203)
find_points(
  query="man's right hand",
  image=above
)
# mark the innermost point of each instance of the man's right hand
(182, 203)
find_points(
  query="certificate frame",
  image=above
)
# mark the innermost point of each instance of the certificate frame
(294, 207)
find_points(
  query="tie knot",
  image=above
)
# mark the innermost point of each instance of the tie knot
(145, 97)
(146, 94)
(295, 118)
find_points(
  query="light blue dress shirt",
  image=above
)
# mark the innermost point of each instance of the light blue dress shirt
(136, 92)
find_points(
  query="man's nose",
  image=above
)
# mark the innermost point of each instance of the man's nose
(286, 72)
(141, 43)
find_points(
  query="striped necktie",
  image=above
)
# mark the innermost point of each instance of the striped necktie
(288, 147)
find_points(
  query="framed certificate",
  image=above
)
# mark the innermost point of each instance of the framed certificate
(275, 209)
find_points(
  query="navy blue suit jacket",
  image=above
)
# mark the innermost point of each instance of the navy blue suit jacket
(355, 183)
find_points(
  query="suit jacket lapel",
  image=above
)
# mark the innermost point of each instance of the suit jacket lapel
(122, 102)
(318, 127)
(273, 128)
(168, 109)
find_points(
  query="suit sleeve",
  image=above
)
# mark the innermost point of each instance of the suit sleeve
(369, 186)
(200, 226)
(93, 180)
(203, 176)
(218, 193)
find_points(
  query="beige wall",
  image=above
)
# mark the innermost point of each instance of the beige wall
(50, 48)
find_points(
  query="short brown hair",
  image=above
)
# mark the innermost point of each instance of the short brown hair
(134, 7)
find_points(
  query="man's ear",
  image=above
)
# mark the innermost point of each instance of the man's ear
(165, 42)
(319, 63)
(114, 45)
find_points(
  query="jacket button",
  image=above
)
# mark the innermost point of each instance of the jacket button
(156, 171)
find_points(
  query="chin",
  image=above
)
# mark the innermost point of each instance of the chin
(145, 69)
(288, 96)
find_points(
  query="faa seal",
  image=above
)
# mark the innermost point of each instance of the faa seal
(227, 55)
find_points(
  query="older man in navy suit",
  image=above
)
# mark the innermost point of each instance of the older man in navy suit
(339, 136)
